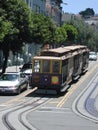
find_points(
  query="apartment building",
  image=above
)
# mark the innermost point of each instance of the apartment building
(54, 10)
(37, 5)
(51, 8)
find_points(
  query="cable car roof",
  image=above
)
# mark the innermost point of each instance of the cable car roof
(61, 51)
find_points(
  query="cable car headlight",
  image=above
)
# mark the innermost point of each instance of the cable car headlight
(55, 80)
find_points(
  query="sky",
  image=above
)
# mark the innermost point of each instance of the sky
(76, 6)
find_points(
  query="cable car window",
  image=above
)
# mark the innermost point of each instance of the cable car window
(76, 62)
(46, 66)
(55, 66)
(65, 67)
(36, 66)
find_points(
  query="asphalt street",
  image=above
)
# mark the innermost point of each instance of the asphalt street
(87, 101)
(76, 110)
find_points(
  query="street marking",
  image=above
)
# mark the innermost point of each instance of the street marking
(64, 99)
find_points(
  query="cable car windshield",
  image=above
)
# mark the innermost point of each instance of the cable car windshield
(51, 66)
(46, 66)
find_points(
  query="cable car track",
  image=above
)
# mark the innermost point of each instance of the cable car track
(33, 105)
(21, 109)
(84, 103)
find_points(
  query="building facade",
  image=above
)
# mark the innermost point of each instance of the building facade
(37, 5)
(51, 8)
(54, 10)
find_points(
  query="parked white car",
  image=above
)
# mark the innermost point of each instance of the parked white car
(13, 82)
(92, 56)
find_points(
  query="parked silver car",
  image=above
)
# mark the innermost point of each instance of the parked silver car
(13, 82)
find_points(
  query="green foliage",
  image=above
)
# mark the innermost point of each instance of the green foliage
(46, 32)
(93, 41)
(71, 32)
(87, 13)
(15, 26)
(87, 35)
(60, 35)
(43, 29)
(6, 26)
(82, 29)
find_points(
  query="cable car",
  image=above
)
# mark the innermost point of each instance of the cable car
(55, 69)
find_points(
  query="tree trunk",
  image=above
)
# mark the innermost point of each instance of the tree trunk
(5, 54)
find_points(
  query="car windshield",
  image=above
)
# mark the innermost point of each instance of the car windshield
(9, 77)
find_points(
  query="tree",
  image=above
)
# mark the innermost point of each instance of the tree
(60, 35)
(15, 26)
(72, 33)
(83, 31)
(46, 32)
(87, 13)
(87, 35)
(44, 28)
(93, 41)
